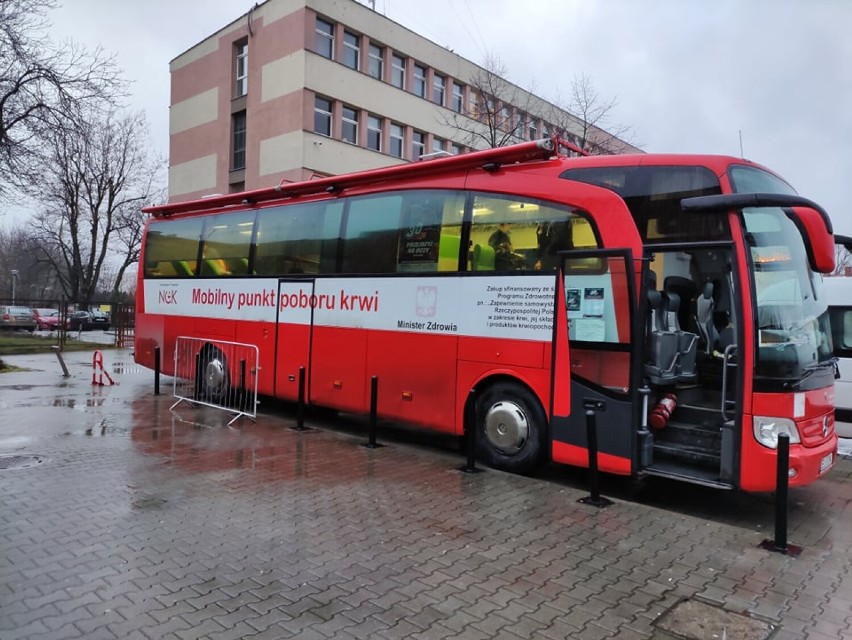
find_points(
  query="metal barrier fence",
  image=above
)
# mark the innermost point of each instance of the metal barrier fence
(217, 374)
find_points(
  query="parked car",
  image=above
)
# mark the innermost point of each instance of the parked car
(12, 317)
(88, 320)
(47, 319)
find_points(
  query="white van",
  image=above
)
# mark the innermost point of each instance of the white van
(838, 290)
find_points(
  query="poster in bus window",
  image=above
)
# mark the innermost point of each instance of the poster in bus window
(593, 302)
(572, 303)
(419, 237)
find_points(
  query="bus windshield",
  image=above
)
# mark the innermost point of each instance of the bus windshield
(793, 332)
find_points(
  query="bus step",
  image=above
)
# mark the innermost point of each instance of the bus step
(700, 417)
(687, 453)
(697, 436)
(685, 473)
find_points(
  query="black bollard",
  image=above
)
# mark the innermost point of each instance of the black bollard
(470, 434)
(374, 413)
(300, 406)
(156, 371)
(782, 484)
(595, 498)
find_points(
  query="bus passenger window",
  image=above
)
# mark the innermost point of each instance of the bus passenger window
(372, 230)
(171, 248)
(297, 238)
(430, 231)
(227, 239)
(509, 234)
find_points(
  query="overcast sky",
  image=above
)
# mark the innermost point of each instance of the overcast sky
(689, 76)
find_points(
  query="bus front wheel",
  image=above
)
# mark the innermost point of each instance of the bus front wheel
(511, 428)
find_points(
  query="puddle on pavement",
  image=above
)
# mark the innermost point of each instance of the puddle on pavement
(14, 442)
(11, 462)
(23, 387)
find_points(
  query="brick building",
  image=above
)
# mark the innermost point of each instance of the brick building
(298, 88)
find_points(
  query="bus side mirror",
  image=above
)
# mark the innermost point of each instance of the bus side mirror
(819, 240)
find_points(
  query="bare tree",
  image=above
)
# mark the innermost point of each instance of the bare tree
(42, 87)
(842, 260)
(584, 119)
(19, 253)
(98, 177)
(499, 111)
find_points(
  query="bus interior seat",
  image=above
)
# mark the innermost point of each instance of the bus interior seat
(215, 266)
(483, 258)
(687, 341)
(663, 345)
(688, 291)
(183, 268)
(237, 266)
(448, 253)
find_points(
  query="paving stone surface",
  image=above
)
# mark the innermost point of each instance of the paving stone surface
(141, 522)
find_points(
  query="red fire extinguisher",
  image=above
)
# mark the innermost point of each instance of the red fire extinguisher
(663, 411)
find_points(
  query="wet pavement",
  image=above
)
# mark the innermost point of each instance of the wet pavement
(121, 518)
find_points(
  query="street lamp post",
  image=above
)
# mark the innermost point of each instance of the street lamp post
(14, 282)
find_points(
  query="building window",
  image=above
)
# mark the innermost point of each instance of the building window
(455, 149)
(398, 71)
(396, 140)
(419, 85)
(377, 62)
(241, 69)
(322, 116)
(324, 39)
(351, 49)
(238, 128)
(505, 122)
(533, 131)
(374, 133)
(418, 144)
(439, 89)
(458, 98)
(544, 131)
(349, 132)
(438, 144)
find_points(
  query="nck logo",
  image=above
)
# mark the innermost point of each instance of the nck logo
(427, 301)
(168, 296)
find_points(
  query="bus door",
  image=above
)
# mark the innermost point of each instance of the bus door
(296, 303)
(600, 311)
(690, 351)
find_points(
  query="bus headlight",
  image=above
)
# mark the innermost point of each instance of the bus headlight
(766, 430)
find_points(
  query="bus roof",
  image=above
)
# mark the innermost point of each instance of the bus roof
(488, 159)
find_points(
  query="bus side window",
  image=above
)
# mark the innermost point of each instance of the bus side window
(430, 231)
(171, 248)
(371, 236)
(297, 238)
(227, 240)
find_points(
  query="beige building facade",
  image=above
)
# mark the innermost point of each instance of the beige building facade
(300, 88)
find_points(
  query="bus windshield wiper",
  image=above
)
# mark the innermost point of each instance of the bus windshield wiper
(808, 371)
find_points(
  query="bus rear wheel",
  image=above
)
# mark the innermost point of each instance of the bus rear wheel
(212, 379)
(511, 428)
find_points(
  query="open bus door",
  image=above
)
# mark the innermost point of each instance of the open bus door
(598, 293)
(689, 361)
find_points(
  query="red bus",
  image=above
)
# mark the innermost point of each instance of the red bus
(508, 290)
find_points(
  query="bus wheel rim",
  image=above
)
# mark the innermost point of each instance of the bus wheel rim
(506, 427)
(214, 374)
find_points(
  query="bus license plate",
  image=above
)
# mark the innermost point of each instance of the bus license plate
(825, 463)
